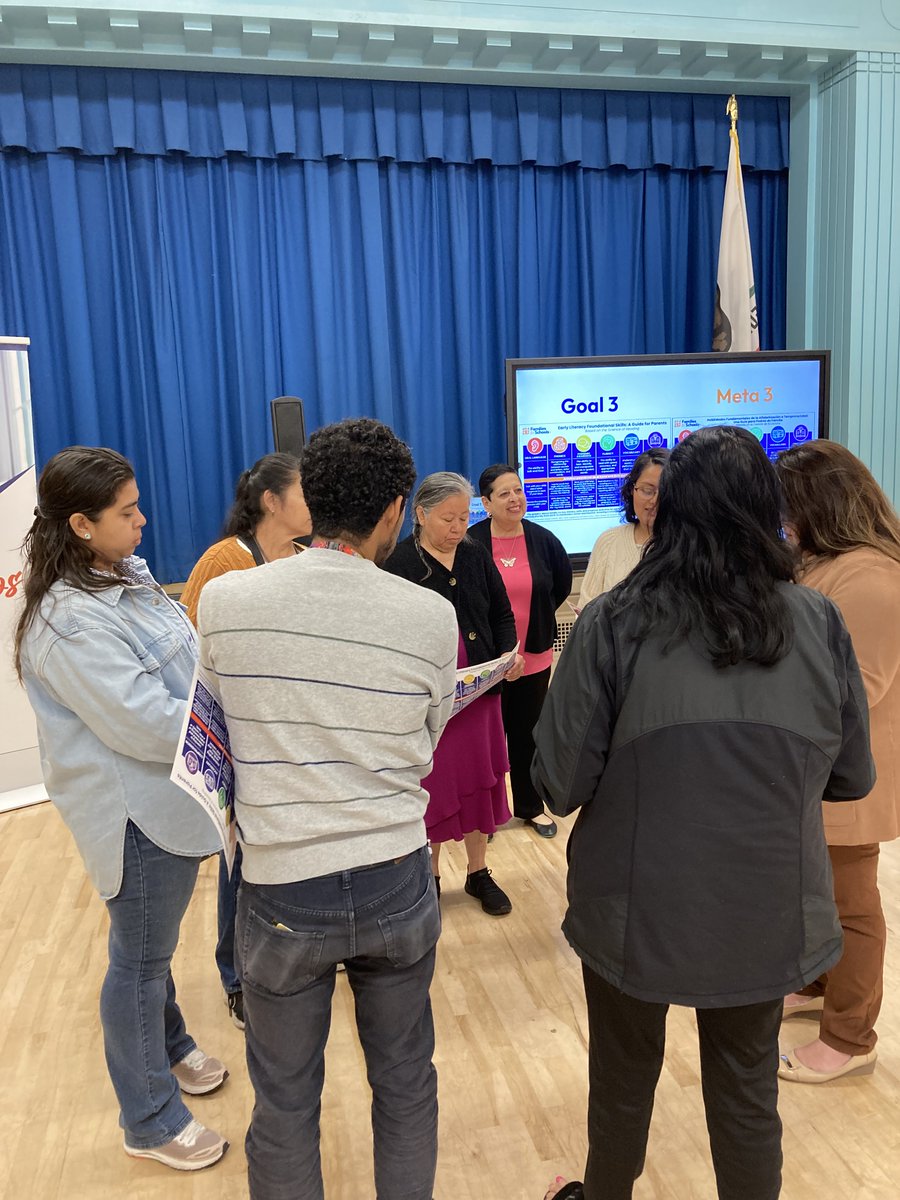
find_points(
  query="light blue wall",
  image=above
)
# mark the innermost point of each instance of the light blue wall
(865, 24)
(856, 303)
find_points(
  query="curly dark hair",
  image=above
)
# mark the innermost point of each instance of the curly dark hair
(352, 471)
(657, 456)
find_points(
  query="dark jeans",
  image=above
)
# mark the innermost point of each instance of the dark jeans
(522, 701)
(382, 922)
(739, 1072)
(227, 916)
(143, 1029)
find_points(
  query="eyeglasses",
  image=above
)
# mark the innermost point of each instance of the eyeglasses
(646, 490)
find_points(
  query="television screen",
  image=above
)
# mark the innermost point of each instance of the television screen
(576, 425)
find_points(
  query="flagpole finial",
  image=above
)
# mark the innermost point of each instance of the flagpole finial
(731, 110)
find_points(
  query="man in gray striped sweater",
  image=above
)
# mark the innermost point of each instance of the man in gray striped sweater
(336, 679)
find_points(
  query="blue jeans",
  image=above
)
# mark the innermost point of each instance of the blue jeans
(227, 915)
(383, 923)
(143, 1029)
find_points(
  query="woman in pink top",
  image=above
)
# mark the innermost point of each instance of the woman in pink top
(536, 571)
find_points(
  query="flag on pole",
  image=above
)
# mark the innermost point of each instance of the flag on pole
(736, 325)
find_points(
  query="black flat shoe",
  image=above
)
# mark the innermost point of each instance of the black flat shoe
(544, 831)
(574, 1190)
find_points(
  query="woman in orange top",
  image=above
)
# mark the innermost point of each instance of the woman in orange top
(268, 513)
(848, 536)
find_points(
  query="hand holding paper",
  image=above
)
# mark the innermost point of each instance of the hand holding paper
(517, 670)
(472, 682)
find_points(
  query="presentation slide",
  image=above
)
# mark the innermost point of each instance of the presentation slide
(579, 428)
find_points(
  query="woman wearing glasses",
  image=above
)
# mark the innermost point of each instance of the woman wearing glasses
(619, 550)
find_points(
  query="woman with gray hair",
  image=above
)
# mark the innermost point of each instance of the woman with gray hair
(467, 784)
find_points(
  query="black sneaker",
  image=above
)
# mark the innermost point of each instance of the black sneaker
(235, 1002)
(494, 900)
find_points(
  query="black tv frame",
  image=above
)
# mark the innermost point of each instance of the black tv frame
(580, 560)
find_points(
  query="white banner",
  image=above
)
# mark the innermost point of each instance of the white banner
(20, 765)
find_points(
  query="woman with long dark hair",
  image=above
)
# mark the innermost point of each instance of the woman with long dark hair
(107, 660)
(700, 712)
(848, 537)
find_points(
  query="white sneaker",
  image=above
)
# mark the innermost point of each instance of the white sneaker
(193, 1149)
(198, 1073)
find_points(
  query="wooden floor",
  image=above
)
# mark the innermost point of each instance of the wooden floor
(511, 1051)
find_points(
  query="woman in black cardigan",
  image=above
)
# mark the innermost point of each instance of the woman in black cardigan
(467, 784)
(536, 571)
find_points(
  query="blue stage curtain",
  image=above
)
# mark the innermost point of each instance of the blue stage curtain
(377, 249)
(99, 111)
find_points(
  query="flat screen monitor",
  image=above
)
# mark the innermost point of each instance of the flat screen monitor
(576, 425)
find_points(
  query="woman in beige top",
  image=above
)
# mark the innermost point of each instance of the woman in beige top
(618, 551)
(849, 538)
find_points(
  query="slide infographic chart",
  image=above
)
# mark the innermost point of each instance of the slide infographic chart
(579, 428)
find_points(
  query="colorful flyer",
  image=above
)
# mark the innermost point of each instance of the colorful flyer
(203, 767)
(472, 682)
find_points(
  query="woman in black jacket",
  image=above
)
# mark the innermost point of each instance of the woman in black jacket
(467, 784)
(537, 574)
(699, 714)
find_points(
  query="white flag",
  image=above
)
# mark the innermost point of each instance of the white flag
(736, 325)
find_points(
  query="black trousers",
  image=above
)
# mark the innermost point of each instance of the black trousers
(739, 1072)
(522, 702)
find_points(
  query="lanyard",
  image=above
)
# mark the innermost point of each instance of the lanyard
(334, 544)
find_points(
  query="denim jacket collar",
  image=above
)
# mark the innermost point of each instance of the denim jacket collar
(138, 571)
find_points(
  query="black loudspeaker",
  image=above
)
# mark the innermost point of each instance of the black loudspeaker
(288, 426)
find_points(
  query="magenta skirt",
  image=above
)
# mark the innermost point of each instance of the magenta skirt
(467, 784)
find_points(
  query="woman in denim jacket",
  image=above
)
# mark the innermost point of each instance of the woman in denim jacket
(107, 661)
